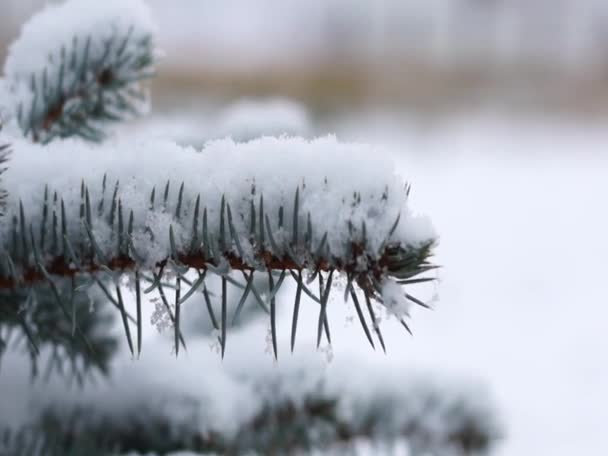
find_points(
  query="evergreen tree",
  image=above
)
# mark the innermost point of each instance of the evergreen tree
(266, 218)
(90, 224)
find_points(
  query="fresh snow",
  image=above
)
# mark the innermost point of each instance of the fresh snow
(394, 299)
(328, 174)
(222, 397)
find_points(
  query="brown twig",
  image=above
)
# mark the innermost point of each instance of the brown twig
(60, 267)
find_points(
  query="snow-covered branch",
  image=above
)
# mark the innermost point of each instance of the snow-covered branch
(282, 207)
(290, 409)
(77, 66)
(164, 218)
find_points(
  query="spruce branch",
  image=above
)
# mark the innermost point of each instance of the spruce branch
(75, 340)
(423, 416)
(253, 228)
(5, 152)
(86, 80)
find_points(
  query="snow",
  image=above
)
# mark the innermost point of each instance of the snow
(394, 299)
(519, 205)
(328, 173)
(224, 398)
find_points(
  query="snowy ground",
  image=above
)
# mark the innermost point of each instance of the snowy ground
(522, 216)
(521, 210)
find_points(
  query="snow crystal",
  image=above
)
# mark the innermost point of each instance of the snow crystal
(160, 318)
(214, 345)
(328, 352)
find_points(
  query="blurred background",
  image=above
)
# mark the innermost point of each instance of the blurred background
(432, 56)
(495, 111)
